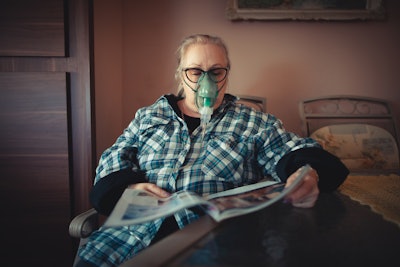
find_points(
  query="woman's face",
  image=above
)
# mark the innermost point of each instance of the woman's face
(205, 57)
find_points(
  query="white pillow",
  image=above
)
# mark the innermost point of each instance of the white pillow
(360, 146)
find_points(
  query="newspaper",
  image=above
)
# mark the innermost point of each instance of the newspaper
(138, 206)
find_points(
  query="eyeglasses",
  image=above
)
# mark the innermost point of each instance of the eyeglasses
(216, 74)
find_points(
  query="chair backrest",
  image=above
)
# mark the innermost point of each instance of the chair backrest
(361, 131)
(259, 103)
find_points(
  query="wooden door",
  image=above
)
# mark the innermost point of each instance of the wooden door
(46, 142)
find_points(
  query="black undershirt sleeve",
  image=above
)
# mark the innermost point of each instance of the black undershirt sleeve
(331, 171)
(107, 191)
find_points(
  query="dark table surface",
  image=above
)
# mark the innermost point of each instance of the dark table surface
(336, 232)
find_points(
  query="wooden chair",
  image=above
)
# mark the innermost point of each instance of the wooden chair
(259, 103)
(360, 131)
(83, 225)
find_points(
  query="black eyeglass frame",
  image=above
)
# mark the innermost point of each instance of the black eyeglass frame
(208, 72)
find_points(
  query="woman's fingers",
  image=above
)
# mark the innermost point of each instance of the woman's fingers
(307, 192)
(152, 188)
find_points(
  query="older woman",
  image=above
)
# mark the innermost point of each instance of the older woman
(202, 141)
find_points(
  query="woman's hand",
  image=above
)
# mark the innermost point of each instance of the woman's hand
(306, 193)
(152, 188)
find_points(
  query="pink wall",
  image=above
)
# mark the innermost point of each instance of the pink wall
(285, 61)
(108, 72)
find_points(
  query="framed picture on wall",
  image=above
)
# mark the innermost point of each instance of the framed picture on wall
(305, 10)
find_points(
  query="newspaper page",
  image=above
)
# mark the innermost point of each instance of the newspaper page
(138, 206)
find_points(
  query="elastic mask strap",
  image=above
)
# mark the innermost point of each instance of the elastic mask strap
(198, 85)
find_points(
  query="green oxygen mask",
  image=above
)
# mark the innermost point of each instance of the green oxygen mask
(206, 95)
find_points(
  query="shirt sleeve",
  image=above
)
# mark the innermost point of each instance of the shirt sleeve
(122, 154)
(118, 167)
(276, 143)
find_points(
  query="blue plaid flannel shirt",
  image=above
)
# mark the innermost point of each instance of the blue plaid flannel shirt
(240, 146)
